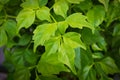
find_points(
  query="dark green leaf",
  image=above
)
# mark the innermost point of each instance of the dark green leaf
(22, 74)
(11, 28)
(116, 30)
(3, 37)
(109, 66)
(24, 40)
(42, 2)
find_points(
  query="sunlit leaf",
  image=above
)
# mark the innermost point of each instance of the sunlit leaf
(73, 40)
(66, 55)
(77, 20)
(43, 33)
(25, 18)
(43, 13)
(32, 4)
(61, 7)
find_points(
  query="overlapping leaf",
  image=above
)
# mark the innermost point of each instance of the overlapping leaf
(73, 40)
(96, 15)
(109, 66)
(66, 55)
(77, 20)
(43, 32)
(25, 18)
(49, 65)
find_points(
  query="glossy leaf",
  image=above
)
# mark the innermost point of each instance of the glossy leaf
(109, 66)
(32, 4)
(49, 65)
(3, 37)
(73, 40)
(43, 33)
(25, 18)
(96, 15)
(66, 55)
(43, 13)
(77, 20)
(75, 1)
(61, 7)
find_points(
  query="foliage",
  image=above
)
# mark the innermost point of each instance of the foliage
(60, 39)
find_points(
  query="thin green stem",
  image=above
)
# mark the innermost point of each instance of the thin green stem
(53, 18)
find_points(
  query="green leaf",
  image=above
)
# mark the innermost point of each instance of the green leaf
(32, 4)
(75, 1)
(43, 13)
(42, 2)
(11, 28)
(43, 32)
(61, 7)
(89, 73)
(77, 20)
(94, 19)
(109, 66)
(21, 56)
(105, 3)
(73, 40)
(3, 37)
(24, 39)
(66, 55)
(49, 65)
(22, 74)
(84, 5)
(4, 1)
(52, 45)
(62, 26)
(25, 18)
(116, 31)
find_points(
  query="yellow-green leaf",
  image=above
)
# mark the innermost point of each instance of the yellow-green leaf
(61, 7)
